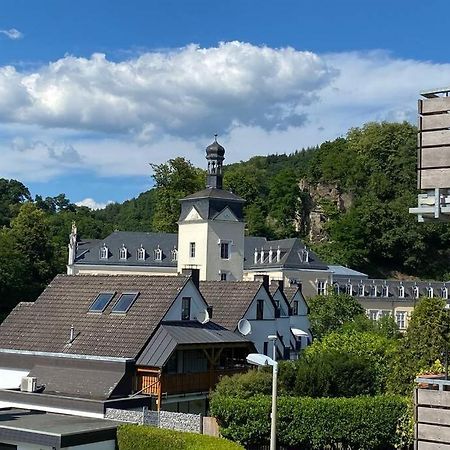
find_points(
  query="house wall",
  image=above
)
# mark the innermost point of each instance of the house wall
(197, 303)
(193, 231)
(301, 320)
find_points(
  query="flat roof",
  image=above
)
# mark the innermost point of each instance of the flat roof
(54, 430)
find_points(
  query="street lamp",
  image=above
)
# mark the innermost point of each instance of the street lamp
(258, 359)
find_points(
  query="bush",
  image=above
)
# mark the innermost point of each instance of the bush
(244, 385)
(364, 423)
(141, 437)
(335, 374)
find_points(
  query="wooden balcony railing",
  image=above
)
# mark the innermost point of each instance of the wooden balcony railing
(193, 382)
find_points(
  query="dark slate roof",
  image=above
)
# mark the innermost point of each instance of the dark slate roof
(215, 193)
(291, 254)
(393, 287)
(90, 254)
(88, 383)
(172, 334)
(229, 299)
(45, 326)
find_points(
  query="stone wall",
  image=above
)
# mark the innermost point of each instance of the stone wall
(163, 419)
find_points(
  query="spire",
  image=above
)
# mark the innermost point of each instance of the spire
(215, 154)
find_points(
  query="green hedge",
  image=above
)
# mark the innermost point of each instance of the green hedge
(363, 423)
(139, 437)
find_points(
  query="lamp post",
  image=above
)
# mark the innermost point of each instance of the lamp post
(447, 310)
(262, 360)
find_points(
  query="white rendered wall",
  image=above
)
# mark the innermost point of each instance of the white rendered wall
(193, 231)
(197, 303)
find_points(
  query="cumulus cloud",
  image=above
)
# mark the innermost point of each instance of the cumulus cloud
(183, 93)
(92, 204)
(12, 33)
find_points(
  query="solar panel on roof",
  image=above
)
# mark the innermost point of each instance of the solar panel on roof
(101, 302)
(124, 303)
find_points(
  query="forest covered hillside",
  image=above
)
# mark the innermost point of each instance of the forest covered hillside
(347, 198)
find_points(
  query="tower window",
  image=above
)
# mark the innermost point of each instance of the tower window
(185, 308)
(223, 276)
(192, 249)
(225, 250)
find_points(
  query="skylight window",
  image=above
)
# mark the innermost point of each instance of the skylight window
(125, 302)
(101, 302)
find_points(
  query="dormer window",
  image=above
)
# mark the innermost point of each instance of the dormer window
(373, 290)
(123, 253)
(174, 254)
(336, 287)
(349, 289)
(360, 290)
(157, 254)
(385, 291)
(304, 255)
(104, 253)
(444, 293)
(430, 292)
(401, 291)
(141, 254)
(415, 292)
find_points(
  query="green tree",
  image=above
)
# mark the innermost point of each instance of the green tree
(173, 180)
(424, 343)
(330, 312)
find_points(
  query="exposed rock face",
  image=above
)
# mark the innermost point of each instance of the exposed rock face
(319, 201)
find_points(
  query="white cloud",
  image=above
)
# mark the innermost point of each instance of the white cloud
(186, 92)
(92, 204)
(12, 33)
(114, 118)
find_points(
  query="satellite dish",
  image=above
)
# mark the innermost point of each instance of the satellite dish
(244, 327)
(203, 317)
(299, 333)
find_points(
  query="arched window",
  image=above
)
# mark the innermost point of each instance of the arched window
(429, 292)
(360, 290)
(174, 254)
(104, 253)
(336, 287)
(141, 254)
(385, 291)
(123, 253)
(401, 291)
(444, 293)
(415, 292)
(349, 289)
(373, 290)
(157, 254)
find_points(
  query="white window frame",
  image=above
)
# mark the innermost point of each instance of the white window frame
(123, 253)
(174, 254)
(336, 288)
(415, 292)
(192, 249)
(444, 292)
(321, 287)
(157, 254)
(104, 252)
(430, 291)
(385, 291)
(400, 319)
(361, 290)
(349, 289)
(226, 245)
(401, 291)
(141, 254)
(373, 290)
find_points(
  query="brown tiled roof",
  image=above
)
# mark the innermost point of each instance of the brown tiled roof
(45, 326)
(229, 299)
(289, 292)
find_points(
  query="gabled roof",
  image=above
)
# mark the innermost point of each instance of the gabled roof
(89, 253)
(230, 300)
(290, 291)
(173, 334)
(45, 325)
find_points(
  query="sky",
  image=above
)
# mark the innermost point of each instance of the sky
(93, 92)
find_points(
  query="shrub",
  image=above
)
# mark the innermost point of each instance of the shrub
(141, 437)
(365, 423)
(335, 374)
(243, 385)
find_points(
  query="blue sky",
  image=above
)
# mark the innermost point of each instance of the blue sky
(93, 91)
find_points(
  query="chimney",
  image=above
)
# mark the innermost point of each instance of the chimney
(194, 274)
(264, 279)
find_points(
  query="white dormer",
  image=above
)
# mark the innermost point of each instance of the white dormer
(174, 254)
(349, 288)
(360, 290)
(444, 292)
(278, 254)
(262, 256)
(373, 290)
(123, 252)
(430, 292)
(304, 255)
(141, 253)
(157, 253)
(401, 291)
(385, 291)
(270, 255)
(256, 256)
(415, 292)
(104, 252)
